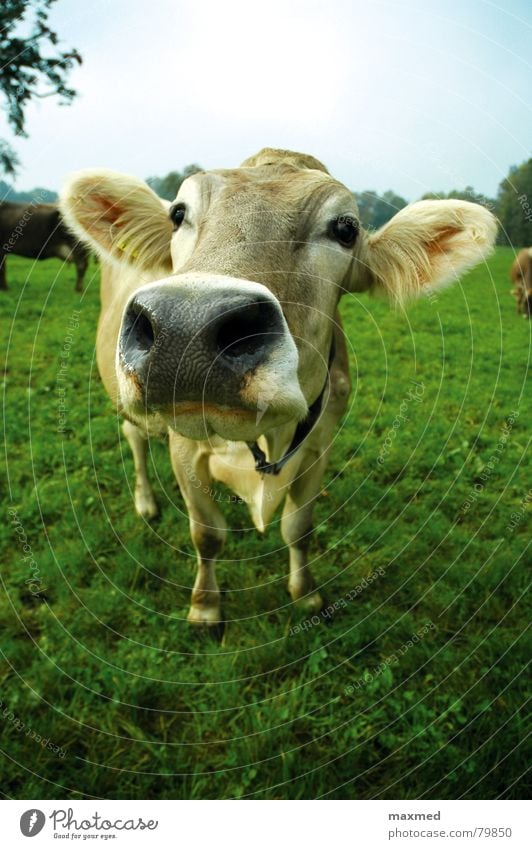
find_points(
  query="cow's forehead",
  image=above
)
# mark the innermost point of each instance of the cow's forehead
(281, 186)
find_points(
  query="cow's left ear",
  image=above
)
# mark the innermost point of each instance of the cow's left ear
(425, 245)
(120, 217)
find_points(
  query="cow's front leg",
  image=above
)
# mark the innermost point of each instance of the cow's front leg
(145, 503)
(207, 528)
(81, 268)
(3, 281)
(296, 530)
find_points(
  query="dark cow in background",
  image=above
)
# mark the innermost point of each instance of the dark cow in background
(37, 231)
(521, 274)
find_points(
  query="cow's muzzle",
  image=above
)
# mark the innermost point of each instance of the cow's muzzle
(200, 343)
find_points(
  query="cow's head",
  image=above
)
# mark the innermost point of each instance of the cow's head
(234, 334)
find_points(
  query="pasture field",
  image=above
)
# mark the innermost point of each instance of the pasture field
(416, 688)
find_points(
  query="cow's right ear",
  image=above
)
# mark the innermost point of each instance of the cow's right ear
(424, 246)
(120, 217)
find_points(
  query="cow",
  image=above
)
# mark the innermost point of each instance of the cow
(37, 231)
(521, 276)
(220, 328)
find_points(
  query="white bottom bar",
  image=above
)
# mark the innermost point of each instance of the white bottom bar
(263, 825)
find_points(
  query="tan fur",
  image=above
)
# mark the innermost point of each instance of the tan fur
(521, 276)
(265, 222)
(274, 156)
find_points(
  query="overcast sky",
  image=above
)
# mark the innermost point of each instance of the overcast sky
(412, 95)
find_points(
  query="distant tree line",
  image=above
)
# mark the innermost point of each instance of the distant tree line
(7, 192)
(168, 187)
(468, 193)
(375, 210)
(512, 206)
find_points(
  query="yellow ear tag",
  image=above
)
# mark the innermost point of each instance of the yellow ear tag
(123, 246)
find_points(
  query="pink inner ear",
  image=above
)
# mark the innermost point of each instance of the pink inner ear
(440, 242)
(109, 212)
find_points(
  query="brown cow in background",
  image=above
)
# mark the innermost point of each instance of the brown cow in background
(37, 231)
(521, 274)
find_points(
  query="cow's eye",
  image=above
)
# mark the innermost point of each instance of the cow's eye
(177, 214)
(344, 230)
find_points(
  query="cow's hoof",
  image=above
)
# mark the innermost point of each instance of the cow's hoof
(213, 633)
(203, 615)
(312, 603)
(206, 622)
(146, 505)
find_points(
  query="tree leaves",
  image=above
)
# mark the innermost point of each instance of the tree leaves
(27, 71)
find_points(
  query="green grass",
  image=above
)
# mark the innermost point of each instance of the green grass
(104, 665)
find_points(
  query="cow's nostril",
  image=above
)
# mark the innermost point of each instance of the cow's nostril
(138, 335)
(142, 331)
(236, 338)
(248, 332)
